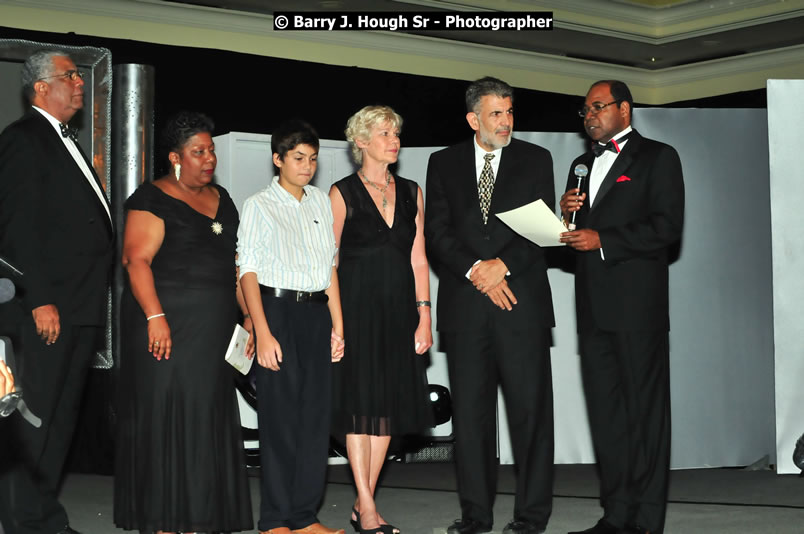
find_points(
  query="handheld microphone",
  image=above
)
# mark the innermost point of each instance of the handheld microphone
(7, 290)
(580, 171)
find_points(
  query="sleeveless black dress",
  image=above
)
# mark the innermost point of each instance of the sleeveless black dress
(380, 386)
(179, 462)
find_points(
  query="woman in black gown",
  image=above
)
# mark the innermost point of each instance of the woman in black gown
(179, 462)
(380, 387)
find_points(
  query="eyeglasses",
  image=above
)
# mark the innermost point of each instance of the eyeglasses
(596, 108)
(73, 75)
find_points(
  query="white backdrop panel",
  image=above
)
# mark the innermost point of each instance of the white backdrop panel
(573, 444)
(721, 341)
(721, 338)
(785, 117)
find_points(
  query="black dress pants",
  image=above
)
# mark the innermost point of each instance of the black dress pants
(519, 361)
(293, 409)
(52, 379)
(626, 377)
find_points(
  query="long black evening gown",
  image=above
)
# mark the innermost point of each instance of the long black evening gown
(179, 462)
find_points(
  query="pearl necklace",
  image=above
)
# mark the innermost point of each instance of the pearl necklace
(382, 190)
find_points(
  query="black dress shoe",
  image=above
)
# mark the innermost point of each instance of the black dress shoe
(602, 527)
(467, 526)
(68, 530)
(522, 527)
(635, 529)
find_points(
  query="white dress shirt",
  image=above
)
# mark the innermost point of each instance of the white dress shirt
(601, 167)
(480, 162)
(79, 159)
(289, 244)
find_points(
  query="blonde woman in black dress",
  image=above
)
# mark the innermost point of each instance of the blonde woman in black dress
(380, 388)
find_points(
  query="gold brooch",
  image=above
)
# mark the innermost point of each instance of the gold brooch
(217, 228)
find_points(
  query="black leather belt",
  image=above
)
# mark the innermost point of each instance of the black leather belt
(291, 294)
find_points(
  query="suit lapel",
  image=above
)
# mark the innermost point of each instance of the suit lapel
(94, 177)
(467, 175)
(507, 164)
(504, 171)
(623, 161)
(75, 173)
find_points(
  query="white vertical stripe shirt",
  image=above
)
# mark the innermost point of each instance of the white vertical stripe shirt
(289, 244)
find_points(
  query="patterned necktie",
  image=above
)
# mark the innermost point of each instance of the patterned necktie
(66, 131)
(485, 186)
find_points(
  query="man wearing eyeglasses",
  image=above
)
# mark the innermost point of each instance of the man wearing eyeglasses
(628, 215)
(56, 227)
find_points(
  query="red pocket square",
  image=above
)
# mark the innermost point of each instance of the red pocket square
(623, 178)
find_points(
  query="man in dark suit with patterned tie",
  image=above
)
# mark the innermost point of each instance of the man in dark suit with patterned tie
(56, 227)
(495, 310)
(629, 214)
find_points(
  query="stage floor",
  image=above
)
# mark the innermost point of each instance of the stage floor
(421, 499)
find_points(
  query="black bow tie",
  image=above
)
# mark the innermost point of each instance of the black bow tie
(66, 131)
(613, 146)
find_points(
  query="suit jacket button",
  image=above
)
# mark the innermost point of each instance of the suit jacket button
(486, 237)
(91, 221)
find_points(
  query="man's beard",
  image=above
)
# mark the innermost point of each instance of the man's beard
(492, 142)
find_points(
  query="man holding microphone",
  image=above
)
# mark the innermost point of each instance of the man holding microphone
(629, 213)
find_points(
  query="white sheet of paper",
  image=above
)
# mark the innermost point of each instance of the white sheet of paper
(536, 222)
(236, 353)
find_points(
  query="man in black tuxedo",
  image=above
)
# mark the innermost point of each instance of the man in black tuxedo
(495, 310)
(633, 216)
(55, 226)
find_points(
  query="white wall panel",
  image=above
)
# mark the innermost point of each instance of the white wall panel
(720, 286)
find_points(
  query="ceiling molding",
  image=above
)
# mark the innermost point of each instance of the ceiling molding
(687, 12)
(156, 11)
(154, 21)
(663, 22)
(642, 37)
(766, 61)
(439, 4)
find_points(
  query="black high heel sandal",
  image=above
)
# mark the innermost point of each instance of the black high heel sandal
(358, 526)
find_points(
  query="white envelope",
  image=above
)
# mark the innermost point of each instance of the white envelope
(236, 353)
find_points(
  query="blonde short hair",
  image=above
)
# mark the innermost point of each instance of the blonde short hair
(361, 123)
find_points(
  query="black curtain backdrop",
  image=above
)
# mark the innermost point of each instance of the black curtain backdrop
(249, 93)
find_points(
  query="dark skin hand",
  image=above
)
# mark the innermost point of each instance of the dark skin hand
(159, 340)
(571, 201)
(48, 326)
(584, 239)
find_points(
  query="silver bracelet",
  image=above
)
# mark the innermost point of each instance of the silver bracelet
(154, 316)
(420, 303)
